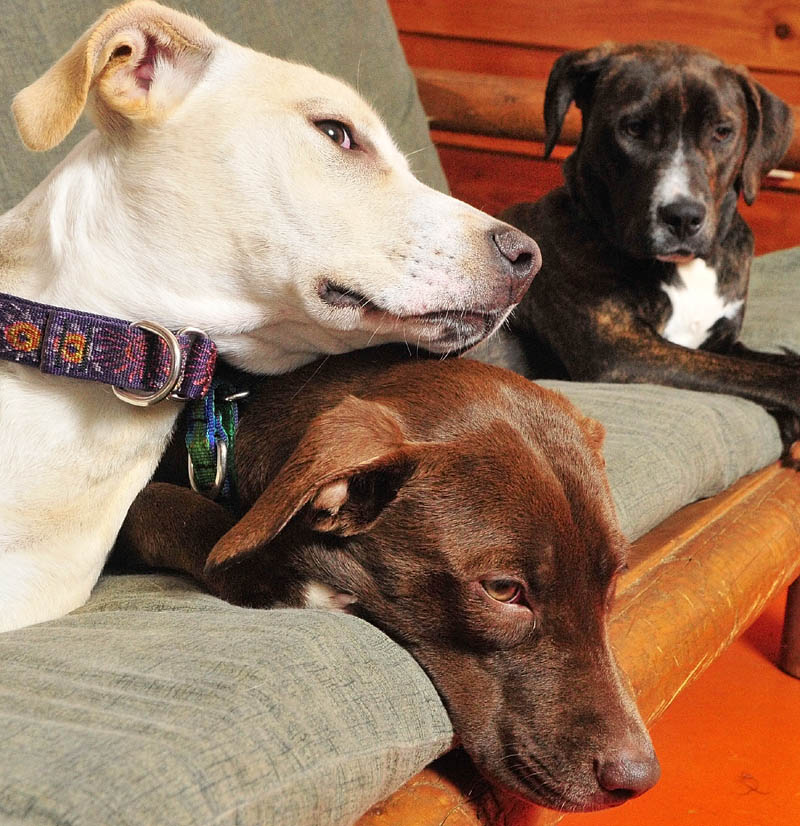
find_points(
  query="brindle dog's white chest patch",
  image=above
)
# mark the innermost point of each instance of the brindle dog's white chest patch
(696, 304)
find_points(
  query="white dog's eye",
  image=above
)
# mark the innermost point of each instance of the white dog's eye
(337, 132)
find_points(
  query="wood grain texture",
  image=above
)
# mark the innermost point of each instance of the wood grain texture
(695, 582)
(434, 51)
(764, 31)
(492, 174)
(510, 107)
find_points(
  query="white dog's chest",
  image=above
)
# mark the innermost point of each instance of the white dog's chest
(73, 459)
(696, 304)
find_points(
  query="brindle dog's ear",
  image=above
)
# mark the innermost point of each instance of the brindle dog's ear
(572, 78)
(350, 464)
(769, 133)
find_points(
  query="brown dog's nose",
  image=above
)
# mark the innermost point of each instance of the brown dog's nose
(628, 772)
(521, 258)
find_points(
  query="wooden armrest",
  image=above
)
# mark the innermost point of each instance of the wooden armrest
(511, 107)
(695, 582)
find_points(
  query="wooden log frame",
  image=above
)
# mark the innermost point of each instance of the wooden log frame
(511, 107)
(694, 583)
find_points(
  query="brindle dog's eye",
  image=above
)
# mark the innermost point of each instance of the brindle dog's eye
(634, 128)
(503, 590)
(337, 132)
(722, 132)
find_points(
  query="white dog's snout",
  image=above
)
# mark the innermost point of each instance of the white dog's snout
(520, 257)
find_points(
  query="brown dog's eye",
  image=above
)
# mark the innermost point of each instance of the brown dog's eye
(722, 132)
(337, 132)
(503, 590)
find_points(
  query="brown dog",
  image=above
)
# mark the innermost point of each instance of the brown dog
(463, 510)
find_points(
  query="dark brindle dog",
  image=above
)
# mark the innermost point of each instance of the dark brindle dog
(646, 259)
(462, 509)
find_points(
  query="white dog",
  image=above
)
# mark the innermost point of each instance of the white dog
(230, 191)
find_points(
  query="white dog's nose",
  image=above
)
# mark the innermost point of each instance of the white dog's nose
(520, 258)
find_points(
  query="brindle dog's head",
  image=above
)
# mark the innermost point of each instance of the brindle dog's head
(465, 511)
(671, 136)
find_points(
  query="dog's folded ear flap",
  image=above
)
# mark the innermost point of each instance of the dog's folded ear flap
(350, 464)
(572, 78)
(769, 132)
(595, 433)
(139, 61)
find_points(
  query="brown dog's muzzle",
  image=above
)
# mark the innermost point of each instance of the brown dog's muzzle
(628, 772)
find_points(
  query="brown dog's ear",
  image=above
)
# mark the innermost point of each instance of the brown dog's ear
(595, 433)
(140, 60)
(769, 133)
(572, 78)
(350, 464)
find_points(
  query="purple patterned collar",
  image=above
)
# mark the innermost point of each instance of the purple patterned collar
(143, 361)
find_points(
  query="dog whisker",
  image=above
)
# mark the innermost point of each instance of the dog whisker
(415, 151)
(303, 385)
(515, 759)
(377, 328)
(477, 790)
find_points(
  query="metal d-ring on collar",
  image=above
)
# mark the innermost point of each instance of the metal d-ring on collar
(143, 399)
(219, 478)
(223, 471)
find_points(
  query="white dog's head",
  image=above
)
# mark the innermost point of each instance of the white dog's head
(264, 201)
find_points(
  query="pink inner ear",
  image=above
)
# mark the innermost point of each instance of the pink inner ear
(146, 69)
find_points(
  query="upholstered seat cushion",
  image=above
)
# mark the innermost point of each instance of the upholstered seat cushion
(157, 704)
(665, 448)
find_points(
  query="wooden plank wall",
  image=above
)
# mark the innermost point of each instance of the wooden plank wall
(522, 38)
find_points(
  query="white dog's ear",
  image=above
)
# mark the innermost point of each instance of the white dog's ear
(138, 61)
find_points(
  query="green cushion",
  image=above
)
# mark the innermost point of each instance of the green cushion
(353, 39)
(771, 319)
(665, 448)
(158, 705)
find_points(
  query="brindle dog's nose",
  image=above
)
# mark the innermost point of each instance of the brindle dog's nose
(520, 257)
(628, 772)
(683, 217)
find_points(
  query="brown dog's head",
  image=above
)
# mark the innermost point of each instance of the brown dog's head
(671, 136)
(469, 517)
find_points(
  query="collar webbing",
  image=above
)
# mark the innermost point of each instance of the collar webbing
(210, 440)
(83, 345)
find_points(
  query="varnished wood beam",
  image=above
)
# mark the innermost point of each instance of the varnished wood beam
(511, 107)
